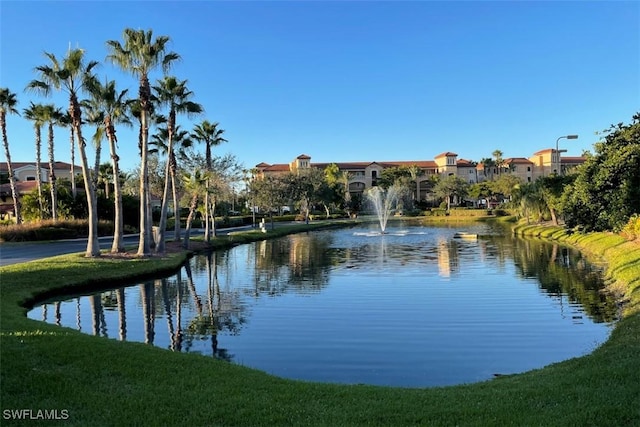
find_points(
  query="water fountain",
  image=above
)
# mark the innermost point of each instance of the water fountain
(383, 202)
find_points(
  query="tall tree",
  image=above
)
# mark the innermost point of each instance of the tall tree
(113, 106)
(488, 165)
(35, 113)
(71, 75)
(181, 140)
(195, 186)
(52, 116)
(67, 122)
(140, 55)
(269, 193)
(606, 191)
(8, 104)
(416, 173)
(210, 135)
(174, 94)
(497, 155)
(451, 186)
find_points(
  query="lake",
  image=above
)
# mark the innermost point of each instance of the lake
(416, 307)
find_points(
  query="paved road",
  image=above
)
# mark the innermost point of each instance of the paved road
(13, 253)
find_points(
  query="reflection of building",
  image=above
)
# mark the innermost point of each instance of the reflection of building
(448, 261)
(363, 175)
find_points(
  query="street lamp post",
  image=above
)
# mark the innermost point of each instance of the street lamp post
(558, 151)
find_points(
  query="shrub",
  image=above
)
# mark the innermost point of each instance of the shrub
(631, 230)
(48, 230)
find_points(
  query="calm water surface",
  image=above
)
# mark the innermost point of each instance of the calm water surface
(415, 307)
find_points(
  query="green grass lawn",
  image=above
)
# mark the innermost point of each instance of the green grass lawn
(100, 382)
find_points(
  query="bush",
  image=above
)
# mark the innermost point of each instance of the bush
(631, 231)
(48, 230)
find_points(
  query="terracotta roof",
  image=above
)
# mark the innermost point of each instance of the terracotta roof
(44, 165)
(303, 157)
(518, 160)
(445, 154)
(423, 164)
(278, 168)
(263, 165)
(546, 150)
(465, 163)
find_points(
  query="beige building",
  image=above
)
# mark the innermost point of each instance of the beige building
(364, 175)
(25, 175)
(26, 171)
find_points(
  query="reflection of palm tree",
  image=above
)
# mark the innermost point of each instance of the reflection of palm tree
(176, 339)
(57, 305)
(96, 311)
(167, 307)
(122, 315)
(147, 294)
(78, 323)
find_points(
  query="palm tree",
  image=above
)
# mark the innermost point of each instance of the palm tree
(114, 107)
(174, 94)
(67, 122)
(488, 165)
(140, 55)
(52, 115)
(34, 113)
(195, 186)
(70, 75)
(181, 140)
(209, 134)
(95, 117)
(8, 104)
(497, 154)
(416, 172)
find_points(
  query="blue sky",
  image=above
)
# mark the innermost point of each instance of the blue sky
(356, 81)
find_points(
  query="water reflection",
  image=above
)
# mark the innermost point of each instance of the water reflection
(413, 307)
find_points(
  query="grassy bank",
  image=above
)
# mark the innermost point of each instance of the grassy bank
(622, 258)
(107, 382)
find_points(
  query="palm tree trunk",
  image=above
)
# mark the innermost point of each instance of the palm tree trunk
(207, 212)
(187, 231)
(74, 190)
(93, 247)
(52, 177)
(144, 247)
(160, 246)
(118, 227)
(12, 179)
(176, 207)
(38, 171)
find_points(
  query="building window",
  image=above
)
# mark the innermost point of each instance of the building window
(528, 168)
(31, 178)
